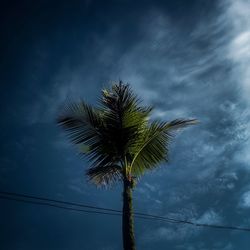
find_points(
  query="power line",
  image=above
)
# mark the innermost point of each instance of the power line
(52, 205)
(75, 209)
(100, 210)
(79, 205)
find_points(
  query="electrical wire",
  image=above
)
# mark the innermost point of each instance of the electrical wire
(36, 200)
(117, 213)
(79, 204)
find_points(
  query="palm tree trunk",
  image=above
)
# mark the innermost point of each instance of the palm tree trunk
(127, 218)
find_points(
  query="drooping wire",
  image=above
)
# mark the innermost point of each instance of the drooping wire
(36, 200)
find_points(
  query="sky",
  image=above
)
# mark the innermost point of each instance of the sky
(189, 59)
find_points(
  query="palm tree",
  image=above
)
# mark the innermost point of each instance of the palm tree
(120, 142)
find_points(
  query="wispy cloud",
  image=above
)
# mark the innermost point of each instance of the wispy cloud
(245, 200)
(210, 217)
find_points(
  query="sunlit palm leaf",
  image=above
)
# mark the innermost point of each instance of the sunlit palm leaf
(152, 147)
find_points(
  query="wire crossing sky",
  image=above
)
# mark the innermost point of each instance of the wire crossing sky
(47, 202)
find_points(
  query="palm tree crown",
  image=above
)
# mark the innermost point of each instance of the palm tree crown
(117, 136)
(120, 141)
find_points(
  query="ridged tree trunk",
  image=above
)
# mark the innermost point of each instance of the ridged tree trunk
(127, 218)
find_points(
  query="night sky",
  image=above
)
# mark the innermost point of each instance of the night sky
(189, 59)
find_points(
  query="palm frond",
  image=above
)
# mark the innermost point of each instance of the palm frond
(122, 116)
(180, 123)
(81, 122)
(119, 98)
(104, 175)
(152, 147)
(85, 126)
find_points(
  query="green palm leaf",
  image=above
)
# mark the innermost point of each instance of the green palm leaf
(152, 147)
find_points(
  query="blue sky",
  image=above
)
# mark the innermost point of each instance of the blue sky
(189, 59)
